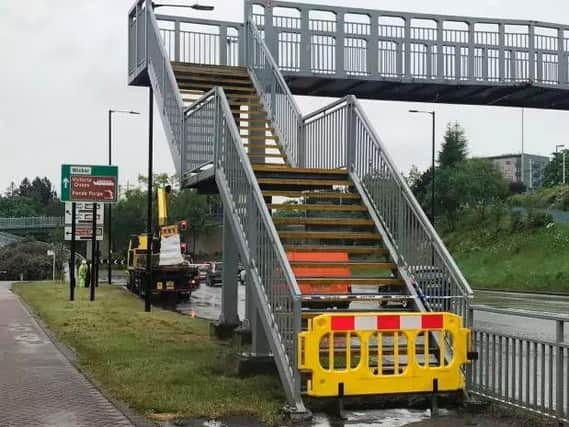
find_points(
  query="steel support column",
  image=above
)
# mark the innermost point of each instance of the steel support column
(229, 298)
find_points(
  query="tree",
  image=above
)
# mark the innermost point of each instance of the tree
(455, 146)
(42, 191)
(25, 188)
(195, 208)
(420, 188)
(553, 173)
(471, 182)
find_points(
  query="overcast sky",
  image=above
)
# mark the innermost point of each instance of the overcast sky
(64, 64)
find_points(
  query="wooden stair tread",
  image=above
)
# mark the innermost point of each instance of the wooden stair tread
(305, 182)
(379, 281)
(317, 207)
(270, 155)
(345, 297)
(191, 85)
(318, 171)
(354, 265)
(215, 79)
(329, 235)
(257, 129)
(185, 67)
(322, 221)
(355, 249)
(312, 195)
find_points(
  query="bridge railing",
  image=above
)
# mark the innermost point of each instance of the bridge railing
(364, 43)
(527, 372)
(276, 292)
(340, 135)
(31, 223)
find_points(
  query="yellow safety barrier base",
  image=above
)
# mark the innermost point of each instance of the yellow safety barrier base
(383, 353)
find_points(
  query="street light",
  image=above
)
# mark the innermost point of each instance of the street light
(557, 147)
(433, 114)
(195, 6)
(109, 226)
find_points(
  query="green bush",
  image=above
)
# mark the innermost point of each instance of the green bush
(538, 219)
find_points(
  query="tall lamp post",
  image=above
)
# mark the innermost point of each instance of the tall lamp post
(433, 114)
(109, 226)
(557, 147)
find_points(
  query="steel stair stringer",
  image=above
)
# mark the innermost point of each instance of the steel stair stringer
(285, 361)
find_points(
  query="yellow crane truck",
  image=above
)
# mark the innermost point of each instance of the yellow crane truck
(173, 277)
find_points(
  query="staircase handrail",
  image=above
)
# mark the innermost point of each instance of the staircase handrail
(167, 94)
(412, 202)
(341, 135)
(275, 94)
(275, 288)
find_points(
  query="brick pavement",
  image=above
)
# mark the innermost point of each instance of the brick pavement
(38, 385)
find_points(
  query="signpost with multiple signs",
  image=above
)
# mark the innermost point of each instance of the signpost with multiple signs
(84, 220)
(86, 188)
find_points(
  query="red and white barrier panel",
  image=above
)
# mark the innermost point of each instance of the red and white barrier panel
(387, 322)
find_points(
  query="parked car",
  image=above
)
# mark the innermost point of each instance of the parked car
(214, 274)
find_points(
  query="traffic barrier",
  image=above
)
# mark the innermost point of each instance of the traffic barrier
(378, 353)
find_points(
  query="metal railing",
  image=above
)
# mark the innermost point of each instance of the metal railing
(26, 223)
(276, 291)
(340, 135)
(275, 94)
(146, 40)
(202, 41)
(526, 372)
(364, 43)
(199, 125)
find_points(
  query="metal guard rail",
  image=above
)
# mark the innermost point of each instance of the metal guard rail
(276, 291)
(340, 135)
(275, 93)
(531, 373)
(31, 222)
(146, 41)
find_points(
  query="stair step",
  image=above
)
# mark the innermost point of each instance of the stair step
(305, 182)
(266, 168)
(311, 194)
(328, 235)
(355, 249)
(223, 70)
(260, 137)
(189, 85)
(351, 265)
(322, 221)
(215, 79)
(257, 129)
(343, 297)
(267, 155)
(374, 281)
(317, 207)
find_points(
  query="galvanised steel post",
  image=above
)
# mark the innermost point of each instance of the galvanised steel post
(147, 305)
(559, 336)
(109, 219)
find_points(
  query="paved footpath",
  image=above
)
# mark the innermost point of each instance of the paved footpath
(38, 385)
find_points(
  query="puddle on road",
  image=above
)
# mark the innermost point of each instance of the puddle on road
(383, 418)
(24, 334)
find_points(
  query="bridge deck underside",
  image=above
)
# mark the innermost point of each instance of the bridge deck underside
(520, 95)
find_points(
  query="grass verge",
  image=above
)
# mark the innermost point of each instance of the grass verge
(532, 260)
(157, 363)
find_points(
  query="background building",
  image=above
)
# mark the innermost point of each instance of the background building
(510, 165)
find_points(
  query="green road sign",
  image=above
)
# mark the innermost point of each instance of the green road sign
(89, 183)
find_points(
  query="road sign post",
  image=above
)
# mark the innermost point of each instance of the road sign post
(93, 248)
(89, 184)
(72, 258)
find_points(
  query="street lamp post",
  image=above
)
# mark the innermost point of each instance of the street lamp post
(433, 114)
(557, 147)
(109, 226)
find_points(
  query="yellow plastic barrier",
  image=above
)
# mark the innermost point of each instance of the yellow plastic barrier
(379, 353)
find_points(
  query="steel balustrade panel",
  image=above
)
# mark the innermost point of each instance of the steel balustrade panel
(275, 95)
(264, 253)
(540, 47)
(31, 223)
(199, 133)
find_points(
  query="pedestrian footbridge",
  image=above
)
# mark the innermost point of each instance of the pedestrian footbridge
(349, 287)
(30, 223)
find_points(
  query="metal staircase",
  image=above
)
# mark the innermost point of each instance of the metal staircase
(293, 186)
